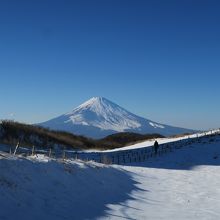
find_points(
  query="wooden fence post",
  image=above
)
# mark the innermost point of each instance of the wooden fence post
(32, 152)
(16, 147)
(64, 154)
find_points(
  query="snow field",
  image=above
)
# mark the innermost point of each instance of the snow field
(183, 184)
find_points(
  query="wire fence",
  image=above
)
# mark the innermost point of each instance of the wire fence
(115, 157)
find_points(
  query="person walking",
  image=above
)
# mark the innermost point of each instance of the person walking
(156, 146)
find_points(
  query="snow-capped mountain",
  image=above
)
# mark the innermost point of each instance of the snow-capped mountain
(99, 117)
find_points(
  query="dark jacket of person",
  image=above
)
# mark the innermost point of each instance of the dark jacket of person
(156, 146)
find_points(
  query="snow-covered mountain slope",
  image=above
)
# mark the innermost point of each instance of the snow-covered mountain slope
(99, 117)
(182, 184)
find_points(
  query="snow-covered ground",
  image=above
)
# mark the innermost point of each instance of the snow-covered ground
(41, 188)
(183, 184)
(179, 185)
(149, 143)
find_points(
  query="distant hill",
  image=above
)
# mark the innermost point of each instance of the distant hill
(99, 117)
(11, 132)
(28, 135)
(126, 138)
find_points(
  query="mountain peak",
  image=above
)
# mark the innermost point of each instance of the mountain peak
(99, 117)
(98, 99)
(95, 99)
(95, 102)
(101, 113)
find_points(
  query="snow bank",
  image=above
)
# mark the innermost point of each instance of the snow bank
(40, 188)
(183, 184)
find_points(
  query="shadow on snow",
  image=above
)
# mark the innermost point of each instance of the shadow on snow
(186, 158)
(52, 191)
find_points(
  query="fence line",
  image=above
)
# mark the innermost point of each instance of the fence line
(116, 157)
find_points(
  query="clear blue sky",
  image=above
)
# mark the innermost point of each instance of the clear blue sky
(158, 59)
